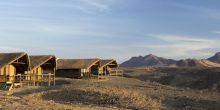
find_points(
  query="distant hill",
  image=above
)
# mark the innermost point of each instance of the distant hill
(148, 60)
(152, 60)
(196, 63)
(215, 58)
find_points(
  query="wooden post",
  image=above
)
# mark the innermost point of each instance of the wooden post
(20, 79)
(41, 79)
(13, 80)
(34, 81)
(104, 71)
(54, 79)
(49, 80)
(28, 78)
(98, 75)
(6, 80)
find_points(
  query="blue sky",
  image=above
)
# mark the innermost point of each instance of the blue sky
(115, 29)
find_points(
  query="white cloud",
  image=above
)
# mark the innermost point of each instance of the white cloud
(179, 38)
(181, 46)
(216, 32)
(64, 30)
(85, 6)
(93, 6)
(98, 4)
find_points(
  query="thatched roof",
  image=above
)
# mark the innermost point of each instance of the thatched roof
(37, 61)
(76, 63)
(8, 58)
(107, 62)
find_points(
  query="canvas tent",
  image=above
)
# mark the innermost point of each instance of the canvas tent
(42, 64)
(77, 68)
(109, 67)
(42, 68)
(12, 64)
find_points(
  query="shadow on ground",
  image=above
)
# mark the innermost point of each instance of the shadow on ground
(61, 82)
(30, 90)
(185, 103)
(199, 79)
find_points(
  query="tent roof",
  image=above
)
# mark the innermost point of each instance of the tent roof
(76, 63)
(38, 60)
(8, 58)
(106, 62)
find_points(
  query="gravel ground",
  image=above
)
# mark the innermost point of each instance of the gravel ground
(110, 94)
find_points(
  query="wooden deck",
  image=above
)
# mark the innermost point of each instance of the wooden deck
(116, 72)
(27, 80)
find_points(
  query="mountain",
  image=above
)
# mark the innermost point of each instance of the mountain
(148, 60)
(196, 63)
(215, 58)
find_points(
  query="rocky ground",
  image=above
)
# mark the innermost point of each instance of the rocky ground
(113, 93)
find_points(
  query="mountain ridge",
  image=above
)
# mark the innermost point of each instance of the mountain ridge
(155, 61)
(148, 60)
(215, 58)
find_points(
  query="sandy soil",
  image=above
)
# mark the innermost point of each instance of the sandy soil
(111, 94)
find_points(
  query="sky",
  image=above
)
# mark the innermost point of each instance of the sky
(117, 29)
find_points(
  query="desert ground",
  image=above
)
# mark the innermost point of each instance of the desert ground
(138, 89)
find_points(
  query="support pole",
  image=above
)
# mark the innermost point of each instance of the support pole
(54, 79)
(49, 79)
(34, 81)
(42, 80)
(28, 79)
(20, 80)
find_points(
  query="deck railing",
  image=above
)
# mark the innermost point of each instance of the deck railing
(116, 72)
(3, 78)
(29, 79)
